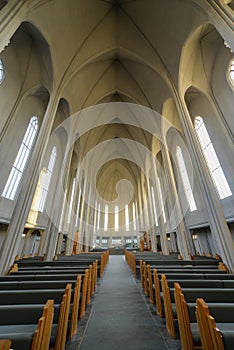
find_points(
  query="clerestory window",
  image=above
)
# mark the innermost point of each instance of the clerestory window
(15, 178)
(185, 179)
(214, 166)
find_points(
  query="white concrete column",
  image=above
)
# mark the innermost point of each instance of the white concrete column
(176, 212)
(51, 235)
(81, 221)
(139, 207)
(72, 224)
(142, 206)
(159, 209)
(151, 216)
(86, 224)
(29, 182)
(217, 221)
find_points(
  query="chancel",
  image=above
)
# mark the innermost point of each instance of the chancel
(117, 174)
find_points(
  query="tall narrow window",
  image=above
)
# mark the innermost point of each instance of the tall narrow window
(12, 186)
(154, 206)
(214, 166)
(46, 178)
(106, 218)
(116, 218)
(78, 208)
(98, 217)
(134, 216)
(95, 216)
(161, 199)
(63, 209)
(2, 71)
(71, 200)
(231, 72)
(126, 217)
(185, 179)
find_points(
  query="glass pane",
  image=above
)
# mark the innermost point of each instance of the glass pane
(21, 160)
(185, 179)
(217, 174)
(106, 218)
(1, 71)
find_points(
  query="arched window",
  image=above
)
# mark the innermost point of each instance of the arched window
(14, 180)
(126, 217)
(116, 218)
(2, 71)
(98, 217)
(161, 200)
(106, 218)
(78, 208)
(214, 166)
(46, 178)
(71, 200)
(154, 206)
(185, 179)
(134, 216)
(231, 72)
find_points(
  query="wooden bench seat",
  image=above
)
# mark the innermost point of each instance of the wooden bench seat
(152, 287)
(5, 344)
(13, 285)
(32, 336)
(197, 276)
(164, 262)
(40, 277)
(50, 271)
(216, 325)
(54, 263)
(15, 297)
(191, 294)
(202, 283)
(190, 333)
(58, 334)
(79, 300)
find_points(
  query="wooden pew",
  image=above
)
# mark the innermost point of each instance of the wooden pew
(59, 330)
(216, 330)
(201, 280)
(76, 286)
(33, 336)
(189, 334)
(191, 294)
(5, 344)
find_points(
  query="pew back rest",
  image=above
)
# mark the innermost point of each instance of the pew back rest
(23, 314)
(30, 296)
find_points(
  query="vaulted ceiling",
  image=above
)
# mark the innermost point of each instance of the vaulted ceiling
(116, 51)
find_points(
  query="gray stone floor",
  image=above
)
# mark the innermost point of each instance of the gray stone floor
(120, 316)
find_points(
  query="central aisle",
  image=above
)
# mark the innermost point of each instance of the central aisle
(120, 318)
